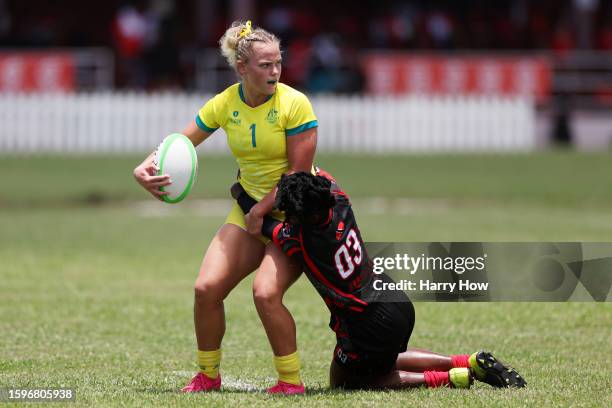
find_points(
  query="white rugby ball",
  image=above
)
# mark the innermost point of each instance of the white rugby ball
(177, 158)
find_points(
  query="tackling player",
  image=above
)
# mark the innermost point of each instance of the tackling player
(321, 232)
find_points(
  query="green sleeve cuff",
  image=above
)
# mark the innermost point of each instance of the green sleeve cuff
(202, 126)
(301, 128)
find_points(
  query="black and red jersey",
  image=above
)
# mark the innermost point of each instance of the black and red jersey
(333, 254)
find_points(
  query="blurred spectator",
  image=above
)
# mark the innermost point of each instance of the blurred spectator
(130, 32)
(162, 54)
(333, 67)
(440, 29)
(402, 26)
(325, 64)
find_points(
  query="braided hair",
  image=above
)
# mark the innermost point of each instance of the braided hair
(304, 197)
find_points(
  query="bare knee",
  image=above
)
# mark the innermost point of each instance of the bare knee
(208, 293)
(267, 297)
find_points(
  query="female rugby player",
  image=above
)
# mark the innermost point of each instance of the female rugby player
(271, 130)
(372, 336)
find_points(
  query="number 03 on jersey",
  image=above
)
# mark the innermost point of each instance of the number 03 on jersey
(348, 255)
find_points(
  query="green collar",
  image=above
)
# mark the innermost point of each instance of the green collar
(241, 93)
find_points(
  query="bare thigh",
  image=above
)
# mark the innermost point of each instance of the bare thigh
(231, 256)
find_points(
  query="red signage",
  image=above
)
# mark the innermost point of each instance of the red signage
(396, 75)
(27, 72)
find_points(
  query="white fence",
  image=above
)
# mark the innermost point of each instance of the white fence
(128, 122)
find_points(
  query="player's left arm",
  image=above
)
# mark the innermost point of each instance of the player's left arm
(301, 135)
(301, 150)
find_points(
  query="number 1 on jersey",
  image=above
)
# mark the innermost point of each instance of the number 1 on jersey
(253, 140)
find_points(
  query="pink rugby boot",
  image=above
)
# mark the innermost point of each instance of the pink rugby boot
(201, 382)
(284, 388)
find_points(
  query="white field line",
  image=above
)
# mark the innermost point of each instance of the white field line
(221, 207)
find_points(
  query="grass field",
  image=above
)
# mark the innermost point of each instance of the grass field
(93, 297)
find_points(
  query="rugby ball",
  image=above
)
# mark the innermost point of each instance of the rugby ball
(177, 158)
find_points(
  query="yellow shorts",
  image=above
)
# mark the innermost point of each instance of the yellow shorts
(236, 217)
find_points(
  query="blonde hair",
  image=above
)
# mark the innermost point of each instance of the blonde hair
(237, 42)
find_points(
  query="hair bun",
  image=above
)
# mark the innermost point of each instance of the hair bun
(237, 41)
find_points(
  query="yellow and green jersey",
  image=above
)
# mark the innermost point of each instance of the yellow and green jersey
(257, 136)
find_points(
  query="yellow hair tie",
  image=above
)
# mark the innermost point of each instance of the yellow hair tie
(246, 30)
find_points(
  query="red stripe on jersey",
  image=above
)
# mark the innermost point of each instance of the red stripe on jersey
(293, 251)
(322, 278)
(275, 234)
(340, 193)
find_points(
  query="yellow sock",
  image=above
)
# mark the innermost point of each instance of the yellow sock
(209, 362)
(288, 368)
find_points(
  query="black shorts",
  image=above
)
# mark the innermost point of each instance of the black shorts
(368, 343)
